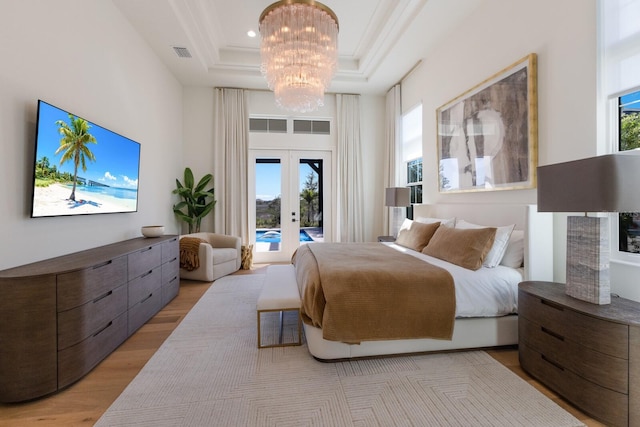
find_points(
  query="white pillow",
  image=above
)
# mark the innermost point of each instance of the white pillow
(496, 253)
(514, 255)
(450, 222)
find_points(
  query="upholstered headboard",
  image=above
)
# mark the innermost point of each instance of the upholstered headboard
(537, 227)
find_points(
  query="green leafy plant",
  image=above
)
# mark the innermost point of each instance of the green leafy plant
(197, 201)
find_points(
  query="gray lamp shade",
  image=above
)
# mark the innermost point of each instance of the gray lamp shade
(606, 183)
(397, 196)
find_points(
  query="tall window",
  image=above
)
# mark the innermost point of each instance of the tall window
(619, 26)
(629, 139)
(412, 154)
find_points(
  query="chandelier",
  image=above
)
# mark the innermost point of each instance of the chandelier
(299, 52)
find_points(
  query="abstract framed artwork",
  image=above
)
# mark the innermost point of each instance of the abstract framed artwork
(488, 136)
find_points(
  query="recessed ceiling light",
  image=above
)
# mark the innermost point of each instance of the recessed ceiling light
(251, 33)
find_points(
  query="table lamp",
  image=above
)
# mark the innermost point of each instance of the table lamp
(396, 197)
(597, 184)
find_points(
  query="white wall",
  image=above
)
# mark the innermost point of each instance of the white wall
(497, 34)
(83, 57)
(493, 37)
(198, 139)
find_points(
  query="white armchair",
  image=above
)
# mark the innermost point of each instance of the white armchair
(222, 255)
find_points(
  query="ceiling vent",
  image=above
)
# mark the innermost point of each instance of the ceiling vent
(182, 52)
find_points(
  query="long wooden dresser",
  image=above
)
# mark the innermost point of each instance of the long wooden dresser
(60, 317)
(588, 353)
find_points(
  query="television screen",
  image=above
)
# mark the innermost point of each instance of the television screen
(82, 168)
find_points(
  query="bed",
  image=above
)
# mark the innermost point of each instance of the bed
(471, 325)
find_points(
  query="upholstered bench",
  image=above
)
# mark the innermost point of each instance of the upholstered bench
(279, 294)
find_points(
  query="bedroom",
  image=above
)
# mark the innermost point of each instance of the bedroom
(119, 82)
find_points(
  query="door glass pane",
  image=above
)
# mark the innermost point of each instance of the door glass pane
(311, 192)
(268, 202)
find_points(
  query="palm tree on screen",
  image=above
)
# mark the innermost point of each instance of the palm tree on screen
(73, 145)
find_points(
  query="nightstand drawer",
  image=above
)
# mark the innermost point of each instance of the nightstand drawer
(603, 336)
(607, 405)
(608, 371)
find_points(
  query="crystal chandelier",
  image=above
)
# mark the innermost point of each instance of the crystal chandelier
(299, 52)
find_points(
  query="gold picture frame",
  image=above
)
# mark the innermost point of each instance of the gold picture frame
(488, 136)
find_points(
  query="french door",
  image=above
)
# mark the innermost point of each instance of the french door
(289, 201)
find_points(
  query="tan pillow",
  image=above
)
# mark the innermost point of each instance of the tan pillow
(415, 235)
(464, 247)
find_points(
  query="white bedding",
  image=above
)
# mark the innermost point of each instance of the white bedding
(486, 292)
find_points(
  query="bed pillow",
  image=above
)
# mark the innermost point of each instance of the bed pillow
(415, 235)
(500, 242)
(514, 255)
(464, 247)
(447, 222)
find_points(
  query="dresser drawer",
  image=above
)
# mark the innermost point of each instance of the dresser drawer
(608, 371)
(82, 286)
(78, 323)
(77, 360)
(141, 287)
(596, 334)
(144, 310)
(170, 249)
(602, 403)
(170, 290)
(144, 260)
(170, 270)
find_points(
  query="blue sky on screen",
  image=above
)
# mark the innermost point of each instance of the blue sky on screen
(117, 157)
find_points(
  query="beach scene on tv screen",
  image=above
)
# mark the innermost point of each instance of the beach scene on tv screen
(82, 168)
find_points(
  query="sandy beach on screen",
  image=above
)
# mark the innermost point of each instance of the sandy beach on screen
(54, 200)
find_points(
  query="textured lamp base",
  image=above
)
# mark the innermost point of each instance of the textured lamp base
(588, 259)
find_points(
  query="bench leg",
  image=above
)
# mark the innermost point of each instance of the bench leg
(280, 342)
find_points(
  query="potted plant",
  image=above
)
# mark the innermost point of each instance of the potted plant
(197, 201)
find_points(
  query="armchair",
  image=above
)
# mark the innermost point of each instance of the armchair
(219, 257)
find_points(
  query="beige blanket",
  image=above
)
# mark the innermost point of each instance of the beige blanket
(189, 249)
(367, 291)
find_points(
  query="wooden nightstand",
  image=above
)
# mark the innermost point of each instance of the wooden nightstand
(588, 353)
(386, 239)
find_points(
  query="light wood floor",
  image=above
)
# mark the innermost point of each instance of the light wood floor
(85, 401)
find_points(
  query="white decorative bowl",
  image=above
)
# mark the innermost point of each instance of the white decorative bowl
(152, 230)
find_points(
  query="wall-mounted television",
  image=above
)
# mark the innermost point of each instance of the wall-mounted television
(81, 168)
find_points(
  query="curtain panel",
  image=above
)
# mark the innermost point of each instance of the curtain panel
(350, 187)
(393, 139)
(231, 148)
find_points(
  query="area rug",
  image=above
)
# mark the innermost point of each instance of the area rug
(209, 372)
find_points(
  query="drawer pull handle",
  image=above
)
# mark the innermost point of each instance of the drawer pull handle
(101, 330)
(551, 362)
(146, 298)
(147, 249)
(147, 273)
(95, 267)
(174, 279)
(174, 259)
(552, 305)
(102, 296)
(553, 334)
